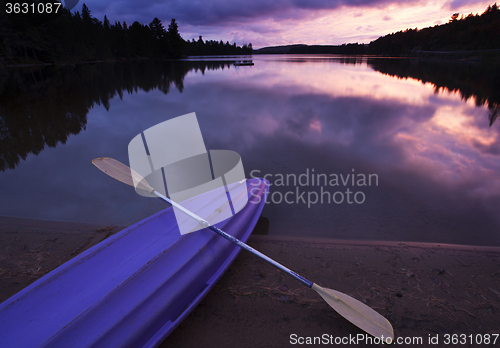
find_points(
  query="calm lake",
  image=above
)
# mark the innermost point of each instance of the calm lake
(355, 148)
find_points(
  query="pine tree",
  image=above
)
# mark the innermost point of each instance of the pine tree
(175, 41)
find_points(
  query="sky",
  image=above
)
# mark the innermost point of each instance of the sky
(283, 22)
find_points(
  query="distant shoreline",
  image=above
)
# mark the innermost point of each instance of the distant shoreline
(453, 55)
(492, 55)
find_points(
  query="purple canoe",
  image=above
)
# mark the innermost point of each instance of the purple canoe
(132, 289)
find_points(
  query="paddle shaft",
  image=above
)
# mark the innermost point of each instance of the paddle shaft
(234, 240)
(353, 310)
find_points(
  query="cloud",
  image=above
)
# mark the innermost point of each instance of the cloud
(219, 12)
(264, 29)
(280, 22)
(458, 4)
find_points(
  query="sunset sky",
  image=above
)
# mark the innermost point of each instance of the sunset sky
(282, 22)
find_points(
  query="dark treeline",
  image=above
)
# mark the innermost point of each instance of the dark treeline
(71, 37)
(43, 106)
(212, 47)
(353, 48)
(480, 82)
(471, 32)
(467, 33)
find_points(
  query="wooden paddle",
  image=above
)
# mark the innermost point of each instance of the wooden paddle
(356, 312)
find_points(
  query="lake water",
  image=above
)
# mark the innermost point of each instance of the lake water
(419, 138)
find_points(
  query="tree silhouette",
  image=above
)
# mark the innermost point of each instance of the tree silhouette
(212, 47)
(473, 32)
(175, 42)
(157, 29)
(78, 36)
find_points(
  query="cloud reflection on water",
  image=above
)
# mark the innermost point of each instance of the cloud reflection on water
(428, 148)
(435, 155)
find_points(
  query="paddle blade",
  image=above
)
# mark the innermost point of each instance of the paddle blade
(121, 172)
(357, 313)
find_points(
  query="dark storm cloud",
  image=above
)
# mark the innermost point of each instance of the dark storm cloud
(457, 4)
(222, 11)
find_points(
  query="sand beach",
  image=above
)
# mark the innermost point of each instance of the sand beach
(429, 292)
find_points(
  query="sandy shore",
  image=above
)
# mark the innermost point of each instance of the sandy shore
(29, 249)
(425, 290)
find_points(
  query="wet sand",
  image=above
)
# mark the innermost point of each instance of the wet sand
(425, 290)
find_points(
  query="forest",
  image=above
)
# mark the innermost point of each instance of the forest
(78, 36)
(351, 48)
(74, 37)
(461, 33)
(471, 32)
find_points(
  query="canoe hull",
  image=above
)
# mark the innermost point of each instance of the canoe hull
(130, 290)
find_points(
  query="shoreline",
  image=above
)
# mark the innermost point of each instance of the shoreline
(423, 289)
(469, 56)
(258, 236)
(372, 243)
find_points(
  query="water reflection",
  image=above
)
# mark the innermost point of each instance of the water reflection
(435, 155)
(42, 107)
(475, 81)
